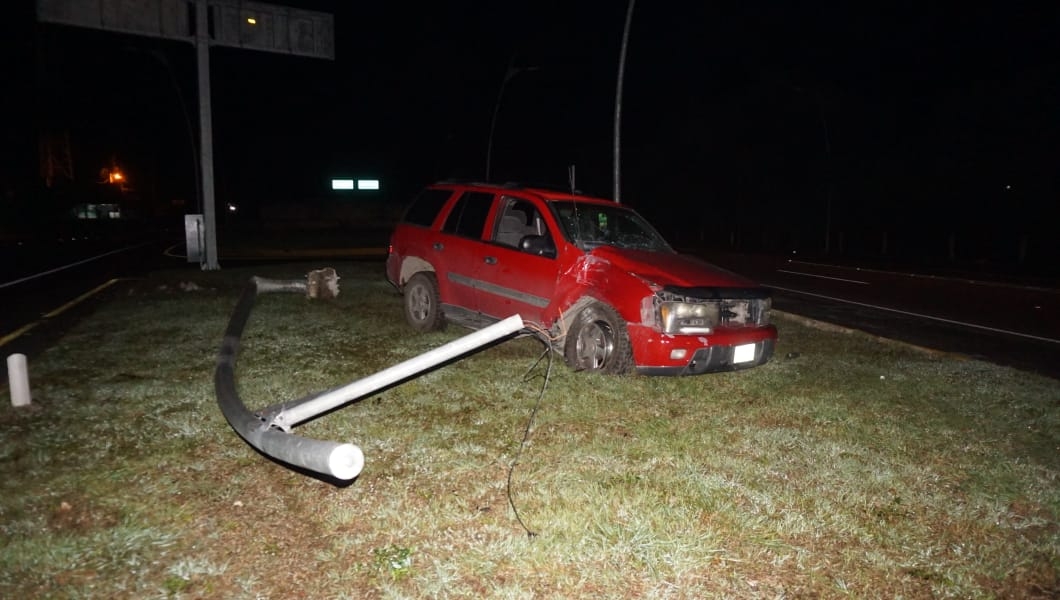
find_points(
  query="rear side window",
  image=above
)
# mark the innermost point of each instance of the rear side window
(426, 207)
(469, 215)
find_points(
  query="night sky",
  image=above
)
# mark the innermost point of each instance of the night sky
(745, 113)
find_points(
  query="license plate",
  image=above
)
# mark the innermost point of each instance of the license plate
(743, 353)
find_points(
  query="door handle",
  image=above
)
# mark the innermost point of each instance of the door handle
(490, 260)
(438, 246)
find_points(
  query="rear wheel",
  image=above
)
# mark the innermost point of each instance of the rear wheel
(598, 341)
(423, 310)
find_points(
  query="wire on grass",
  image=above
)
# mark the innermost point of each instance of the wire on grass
(529, 424)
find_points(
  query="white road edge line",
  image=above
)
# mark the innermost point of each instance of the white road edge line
(984, 282)
(822, 276)
(913, 314)
(73, 264)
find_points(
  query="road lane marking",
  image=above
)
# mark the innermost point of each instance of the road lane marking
(58, 311)
(922, 316)
(16, 333)
(73, 264)
(985, 282)
(822, 277)
(92, 292)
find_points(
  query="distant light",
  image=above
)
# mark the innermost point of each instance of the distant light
(232, 207)
(1008, 187)
(342, 184)
(252, 21)
(368, 184)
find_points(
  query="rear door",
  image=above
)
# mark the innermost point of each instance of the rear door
(415, 234)
(457, 251)
(516, 273)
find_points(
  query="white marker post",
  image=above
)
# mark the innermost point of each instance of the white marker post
(18, 380)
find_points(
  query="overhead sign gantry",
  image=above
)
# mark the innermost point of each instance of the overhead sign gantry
(232, 23)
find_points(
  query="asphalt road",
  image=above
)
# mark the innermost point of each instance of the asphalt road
(1006, 322)
(44, 289)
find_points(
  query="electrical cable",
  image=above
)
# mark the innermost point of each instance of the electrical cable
(530, 422)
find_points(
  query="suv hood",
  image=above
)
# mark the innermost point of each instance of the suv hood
(665, 268)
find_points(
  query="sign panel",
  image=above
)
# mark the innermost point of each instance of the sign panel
(155, 18)
(274, 28)
(250, 25)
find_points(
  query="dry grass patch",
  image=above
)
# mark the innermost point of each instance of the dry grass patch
(856, 469)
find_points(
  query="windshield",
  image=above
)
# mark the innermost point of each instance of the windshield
(588, 226)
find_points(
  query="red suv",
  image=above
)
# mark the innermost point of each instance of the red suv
(590, 274)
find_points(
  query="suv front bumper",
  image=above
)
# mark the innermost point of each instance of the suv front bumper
(714, 358)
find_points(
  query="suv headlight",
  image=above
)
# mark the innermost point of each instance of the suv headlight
(704, 310)
(686, 317)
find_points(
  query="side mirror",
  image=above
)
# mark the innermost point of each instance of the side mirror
(541, 245)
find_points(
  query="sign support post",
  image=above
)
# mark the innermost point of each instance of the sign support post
(202, 64)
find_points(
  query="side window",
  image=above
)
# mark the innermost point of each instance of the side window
(469, 215)
(520, 225)
(426, 207)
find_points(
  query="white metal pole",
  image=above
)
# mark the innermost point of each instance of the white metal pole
(328, 401)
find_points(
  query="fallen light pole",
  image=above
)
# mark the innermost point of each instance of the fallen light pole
(285, 416)
(268, 430)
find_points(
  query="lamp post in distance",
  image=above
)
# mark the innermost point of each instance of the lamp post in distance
(508, 75)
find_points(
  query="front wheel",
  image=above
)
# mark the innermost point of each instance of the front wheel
(423, 309)
(598, 341)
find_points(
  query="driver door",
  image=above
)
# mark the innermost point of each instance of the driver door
(517, 274)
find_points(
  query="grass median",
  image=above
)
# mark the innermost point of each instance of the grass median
(848, 466)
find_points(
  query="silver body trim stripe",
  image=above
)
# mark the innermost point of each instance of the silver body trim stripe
(498, 290)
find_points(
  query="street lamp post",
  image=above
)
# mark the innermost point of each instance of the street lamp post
(508, 75)
(617, 146)
(160, 58)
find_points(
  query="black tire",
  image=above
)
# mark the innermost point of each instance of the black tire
(423, 309)
(598, 341)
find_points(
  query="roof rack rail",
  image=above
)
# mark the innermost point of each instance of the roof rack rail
(464, 181)
(541, 186)
(511, 185)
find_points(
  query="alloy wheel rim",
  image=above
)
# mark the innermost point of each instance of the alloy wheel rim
(419, 303)
(596, 342)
